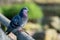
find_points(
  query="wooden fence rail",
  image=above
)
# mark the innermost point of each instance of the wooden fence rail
(20, 35)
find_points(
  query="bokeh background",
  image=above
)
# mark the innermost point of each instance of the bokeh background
(44, 17)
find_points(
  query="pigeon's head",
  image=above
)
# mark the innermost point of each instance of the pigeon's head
(24, 12)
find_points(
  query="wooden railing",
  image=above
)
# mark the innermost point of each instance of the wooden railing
(20, 35)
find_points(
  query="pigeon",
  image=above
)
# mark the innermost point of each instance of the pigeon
(18, 21)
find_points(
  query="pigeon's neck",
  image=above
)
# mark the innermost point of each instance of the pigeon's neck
(23, 17)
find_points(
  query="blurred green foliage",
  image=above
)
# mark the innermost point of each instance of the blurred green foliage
(0, 10)
(35, 12)
(9, 11)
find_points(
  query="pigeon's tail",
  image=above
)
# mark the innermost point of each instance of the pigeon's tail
(9, 30)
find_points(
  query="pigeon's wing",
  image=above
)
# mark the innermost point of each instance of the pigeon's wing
(14, 24)
(16, 21)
